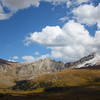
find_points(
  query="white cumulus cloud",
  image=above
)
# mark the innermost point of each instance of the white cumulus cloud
(15, 57)
(32, 58)
(50, 36)
(88, 14)
(28, 58)
(19, 4)
(3, 15)
(70, 42)
(15, 5)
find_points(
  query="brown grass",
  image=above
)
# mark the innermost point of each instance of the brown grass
(75, 84)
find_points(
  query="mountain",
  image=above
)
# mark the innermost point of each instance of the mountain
(83, 62)
(29, 70)
(34, 69)
(26, 71)
(48, 79)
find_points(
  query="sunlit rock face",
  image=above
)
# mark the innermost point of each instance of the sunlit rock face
(27, 71)
(90, 59)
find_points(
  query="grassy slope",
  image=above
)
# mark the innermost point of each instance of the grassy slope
(80, 84)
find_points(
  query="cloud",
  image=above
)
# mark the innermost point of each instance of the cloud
(97, 40)
(63, 19)
(11, 60)
(15, 57)
(1, 9)
(3, 15)
(15, 5)
(28, 58)
(50, 36)
(32, 59)
(70, 42)
(57, 36)
(68, 2)
(88, 14)
(76, 2)
(42, 57)
(81, 1)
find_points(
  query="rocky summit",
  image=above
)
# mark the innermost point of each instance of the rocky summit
(29, 70)
(25, 71)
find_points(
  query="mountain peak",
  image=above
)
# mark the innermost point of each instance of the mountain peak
(44, 66)
(82, 62)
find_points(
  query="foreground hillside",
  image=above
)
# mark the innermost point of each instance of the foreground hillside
(72, 84)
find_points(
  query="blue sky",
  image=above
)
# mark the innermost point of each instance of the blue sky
(15, 30)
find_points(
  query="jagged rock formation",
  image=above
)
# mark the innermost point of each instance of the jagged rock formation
(82, 62)
(29, 70)
(26, 71)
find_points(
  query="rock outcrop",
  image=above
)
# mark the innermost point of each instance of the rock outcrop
(27, 71)
(82, 62)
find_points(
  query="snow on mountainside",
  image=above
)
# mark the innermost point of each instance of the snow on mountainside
(90, 59)
(95, 61)
(30, 70)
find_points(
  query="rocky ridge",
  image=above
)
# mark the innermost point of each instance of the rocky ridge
(26, 71)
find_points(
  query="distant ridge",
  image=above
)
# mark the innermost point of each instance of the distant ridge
(6, 61)
(21, 71)
(3, 61)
